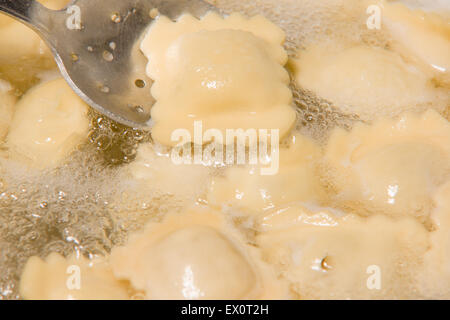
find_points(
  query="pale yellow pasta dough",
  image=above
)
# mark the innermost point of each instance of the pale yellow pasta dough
(436, 275)
(22, 52)
(366, 81)
(296, 180)
(7, 101)
(49, 122)
(235, 233)
(58, 278)
(392, 166)
(157, 172)
(420, 36)
(331, 255)
(194, 255)
(226, 72)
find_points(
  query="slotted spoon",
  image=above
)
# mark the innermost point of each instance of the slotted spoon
(96, 46)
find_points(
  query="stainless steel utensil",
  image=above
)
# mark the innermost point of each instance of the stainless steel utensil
(96, 46)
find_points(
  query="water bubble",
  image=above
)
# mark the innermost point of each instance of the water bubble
(2, 185)
(326, 263)
(61, 195)
(43, 205)
(103, 142)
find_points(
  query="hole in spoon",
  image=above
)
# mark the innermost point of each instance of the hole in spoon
(140, 83)
(154, 13)
(139, 109)
(74, 57)
(104, 89)
(108, 56)
(116, 18)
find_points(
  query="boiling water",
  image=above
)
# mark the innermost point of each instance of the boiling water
(88, 205)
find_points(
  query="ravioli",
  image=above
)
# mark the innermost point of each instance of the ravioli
(49, 122)
(393, 166)
(7, 102)
(56, 279)
(226, 72)
(423, 37)
(365, 81)
(219, 229)
(23, 54)
(327, 254)
(250, 191)
(156, 171)
(194, 255)
(436, 274)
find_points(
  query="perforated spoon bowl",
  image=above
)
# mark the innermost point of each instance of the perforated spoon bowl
(96, 46)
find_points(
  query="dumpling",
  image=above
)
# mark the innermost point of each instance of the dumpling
(295, 180)
(225, 72)
(49, 122)
(423, 37)
(22, 52)
(58, 278)
(156, 171)
(194, 255)
(365, 81)
(436, 275)
(392, 166)
(327, 254)
(7, 101)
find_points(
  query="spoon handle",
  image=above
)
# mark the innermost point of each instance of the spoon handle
(20, 9)
(30, 12)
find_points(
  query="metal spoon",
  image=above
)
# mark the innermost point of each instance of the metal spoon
(96, 46)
